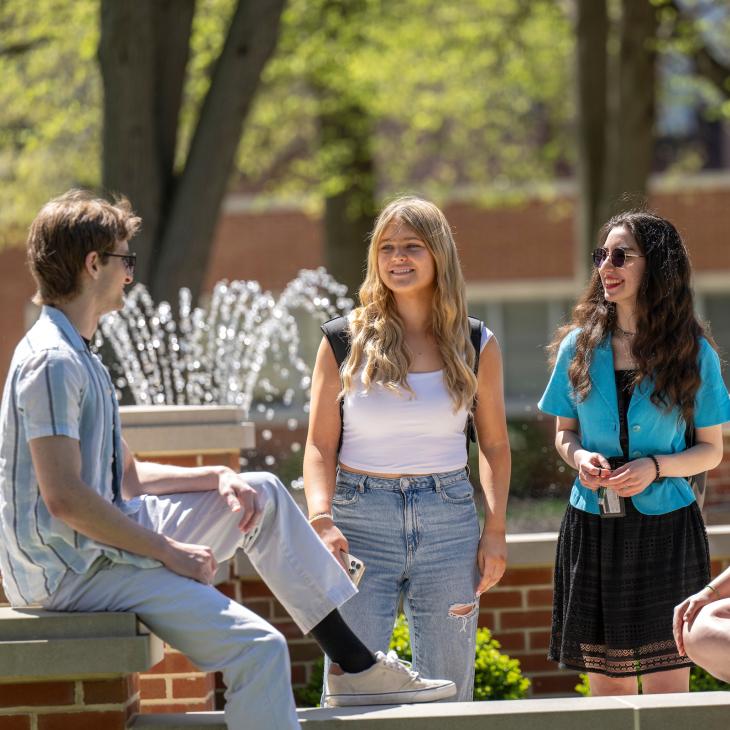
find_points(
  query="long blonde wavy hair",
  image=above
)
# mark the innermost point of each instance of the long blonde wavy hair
(376, 329)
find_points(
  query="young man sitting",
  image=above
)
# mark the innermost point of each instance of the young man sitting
(86, 527)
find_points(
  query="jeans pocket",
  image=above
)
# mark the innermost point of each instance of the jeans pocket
(345, 494)
(460, 492)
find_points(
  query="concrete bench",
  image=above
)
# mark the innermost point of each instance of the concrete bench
(706, 710)
(72, 669)
(36, 643)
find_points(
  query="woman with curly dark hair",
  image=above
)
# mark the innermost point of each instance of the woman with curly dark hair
(631, 371)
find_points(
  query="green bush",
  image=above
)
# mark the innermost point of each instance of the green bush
(699, 681)
(496, 675)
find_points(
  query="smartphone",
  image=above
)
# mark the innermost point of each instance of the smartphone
(355, 567)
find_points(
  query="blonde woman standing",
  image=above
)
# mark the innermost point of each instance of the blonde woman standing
(397, 494)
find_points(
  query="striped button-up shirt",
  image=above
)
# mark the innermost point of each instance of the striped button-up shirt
(55, 387)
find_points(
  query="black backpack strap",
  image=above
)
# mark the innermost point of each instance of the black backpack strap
(475, 335)
(337, 332)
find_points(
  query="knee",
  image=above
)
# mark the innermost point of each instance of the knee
(272, 652)
(264, 482)
(709, 631)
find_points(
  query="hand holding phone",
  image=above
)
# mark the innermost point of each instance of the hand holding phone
(354, 566)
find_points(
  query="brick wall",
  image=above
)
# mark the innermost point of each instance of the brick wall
(495, 244)
(74, 704)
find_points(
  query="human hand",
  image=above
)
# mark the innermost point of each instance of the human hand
(632, 478)
(332, 537)
(240, 497)
(189, 560)
(593, 469)
(686, 612)
(491, 559)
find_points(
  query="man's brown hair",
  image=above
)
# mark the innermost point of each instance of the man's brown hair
(65, 231)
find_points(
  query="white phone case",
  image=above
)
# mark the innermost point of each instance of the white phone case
(355, 567)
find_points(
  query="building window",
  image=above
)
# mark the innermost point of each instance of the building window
(523, 328)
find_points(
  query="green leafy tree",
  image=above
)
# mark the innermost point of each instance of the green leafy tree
(50, 96)
(619, 49)
(173, 163)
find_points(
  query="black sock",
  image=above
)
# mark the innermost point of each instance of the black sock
(341, 645)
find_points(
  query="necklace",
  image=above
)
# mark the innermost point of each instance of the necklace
(623, 332)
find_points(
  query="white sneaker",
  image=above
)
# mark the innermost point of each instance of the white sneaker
(389, 681)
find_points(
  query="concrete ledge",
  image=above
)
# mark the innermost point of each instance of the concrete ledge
(168, 430)
(708, 710)
(43, 644)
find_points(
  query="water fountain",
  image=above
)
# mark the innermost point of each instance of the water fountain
(242, 349)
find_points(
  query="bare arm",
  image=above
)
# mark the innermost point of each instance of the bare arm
(57, 463)
(593, 468)
(494, 465)
(635, 476)
(320, 452)
(146, 477)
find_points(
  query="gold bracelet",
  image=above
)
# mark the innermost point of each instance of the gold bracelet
(320, 516)
(714, 590)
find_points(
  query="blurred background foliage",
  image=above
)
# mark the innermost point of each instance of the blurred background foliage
(476, 94)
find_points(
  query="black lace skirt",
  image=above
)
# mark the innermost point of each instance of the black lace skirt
(617, 581)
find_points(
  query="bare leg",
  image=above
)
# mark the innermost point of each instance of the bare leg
(673, 680)
(603, 686)
(707, 642)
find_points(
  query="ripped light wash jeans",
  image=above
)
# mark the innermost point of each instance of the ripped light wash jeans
(418, 537)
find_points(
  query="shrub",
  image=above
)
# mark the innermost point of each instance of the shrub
(702, 681)
(496, 675)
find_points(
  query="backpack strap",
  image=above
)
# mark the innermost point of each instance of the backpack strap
(337, 332)
(475, 335)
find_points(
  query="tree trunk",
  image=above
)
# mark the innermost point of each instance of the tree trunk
(130, 151)
(349, 214)
(591, 29)
(143, 53)
(631, 139)
(195, 206)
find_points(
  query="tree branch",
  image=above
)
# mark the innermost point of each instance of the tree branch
(197, 199)
(708, 65)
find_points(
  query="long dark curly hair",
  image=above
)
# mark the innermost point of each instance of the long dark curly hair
(667, 341)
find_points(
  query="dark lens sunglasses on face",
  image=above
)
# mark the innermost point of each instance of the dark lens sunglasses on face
(128, 259)
(618, 256)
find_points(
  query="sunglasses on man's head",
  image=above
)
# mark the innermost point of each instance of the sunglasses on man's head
(618, 256)
(128, 259)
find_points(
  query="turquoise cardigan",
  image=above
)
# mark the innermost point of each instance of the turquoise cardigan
(652, 430)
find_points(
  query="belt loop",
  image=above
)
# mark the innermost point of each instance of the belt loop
(437, 483)
(361, 483)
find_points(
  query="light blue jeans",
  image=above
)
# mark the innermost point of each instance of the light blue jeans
(213, 630)
(418, 537)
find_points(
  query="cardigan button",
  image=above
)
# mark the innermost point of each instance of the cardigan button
(636, 428)
(636, 453)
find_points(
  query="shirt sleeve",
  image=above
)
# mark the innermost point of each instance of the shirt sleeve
(487, 335)
(49, 393)
(712, 402)
(558, 399)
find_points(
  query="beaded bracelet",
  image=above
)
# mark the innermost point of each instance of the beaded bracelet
(656, 466)
(320, 516)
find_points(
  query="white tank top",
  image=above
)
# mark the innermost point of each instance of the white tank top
(399, 433)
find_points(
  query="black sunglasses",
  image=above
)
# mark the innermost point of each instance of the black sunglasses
(618, 256)
(128, 259)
